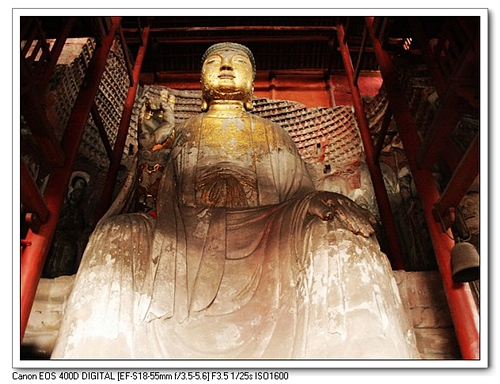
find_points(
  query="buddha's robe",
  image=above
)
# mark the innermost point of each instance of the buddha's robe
(233, 266)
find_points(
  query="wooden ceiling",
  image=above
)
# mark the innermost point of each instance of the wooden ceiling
(279, 43)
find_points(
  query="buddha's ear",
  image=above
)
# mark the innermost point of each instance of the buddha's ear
(204, 105)
(248, 105)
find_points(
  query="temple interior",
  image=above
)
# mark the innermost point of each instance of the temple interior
(383, 110)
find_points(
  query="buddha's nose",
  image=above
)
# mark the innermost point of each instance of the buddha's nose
(226, 64)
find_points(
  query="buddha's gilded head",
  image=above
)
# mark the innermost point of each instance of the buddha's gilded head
(227, 74)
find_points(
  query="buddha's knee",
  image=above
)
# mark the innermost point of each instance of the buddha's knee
(123, 238)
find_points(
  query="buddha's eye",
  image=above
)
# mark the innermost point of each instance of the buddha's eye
(239, 59)
(212, 60)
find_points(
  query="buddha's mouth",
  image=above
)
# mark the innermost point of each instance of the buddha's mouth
(226, 76)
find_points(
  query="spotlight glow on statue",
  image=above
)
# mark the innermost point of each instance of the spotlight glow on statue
(245, 259)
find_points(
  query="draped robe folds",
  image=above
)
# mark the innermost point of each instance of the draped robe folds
(233, 266)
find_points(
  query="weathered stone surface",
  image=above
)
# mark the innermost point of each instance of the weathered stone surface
(425, 290)
(431, 317)
(45, 318)
(437, 343)
(54, 290)
(425, 302)
(433, 328)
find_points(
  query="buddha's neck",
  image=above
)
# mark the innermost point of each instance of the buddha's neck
(226, 108)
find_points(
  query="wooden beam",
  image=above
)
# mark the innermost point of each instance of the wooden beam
(31, 198)
(463, 177)
(395, 251)
(439, 133)
(386, 122)
(237, 28)
(452, 155)
(34, 111)
(236, 39)
(437, 77)
(55, 53)
(102, 132)
(360, 56)
(462, 305)
(33, 256)
(34, 80)
(126, 56)
(110, 183)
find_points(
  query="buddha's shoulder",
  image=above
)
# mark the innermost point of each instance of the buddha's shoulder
(193, 121)
(189, 126)
(270, 126)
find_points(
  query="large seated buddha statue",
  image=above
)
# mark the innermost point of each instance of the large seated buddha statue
(243, 259)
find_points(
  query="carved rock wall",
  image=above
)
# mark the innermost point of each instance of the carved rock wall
(110, 99)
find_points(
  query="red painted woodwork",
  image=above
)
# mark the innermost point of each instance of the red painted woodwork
(395, 251)
(33, 256)
(109, 185)
(308, 88)
(460, 299)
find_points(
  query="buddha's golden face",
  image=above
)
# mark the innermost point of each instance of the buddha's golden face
(227, 75)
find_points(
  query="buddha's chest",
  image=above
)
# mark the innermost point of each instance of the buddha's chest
(226, 163)
(232, 139)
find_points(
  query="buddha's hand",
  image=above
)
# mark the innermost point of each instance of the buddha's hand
(333, 206)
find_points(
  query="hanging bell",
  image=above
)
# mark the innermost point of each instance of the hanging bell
(464, 262)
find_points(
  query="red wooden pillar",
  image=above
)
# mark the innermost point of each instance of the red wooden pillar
(109, 185)
(395, 251)
(465, 174)
(461, 302)
(33, 256)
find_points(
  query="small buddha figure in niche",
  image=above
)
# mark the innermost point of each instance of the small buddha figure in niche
(244, 259)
